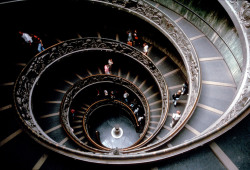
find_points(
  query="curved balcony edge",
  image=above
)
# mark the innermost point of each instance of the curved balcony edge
(30, 75)
(174, 33)
(97, 79)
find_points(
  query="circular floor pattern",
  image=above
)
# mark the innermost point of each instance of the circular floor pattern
(108, 118)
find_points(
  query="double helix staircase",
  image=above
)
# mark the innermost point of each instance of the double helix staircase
(179, 50)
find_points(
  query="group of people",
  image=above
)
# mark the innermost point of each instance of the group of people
(106, 94)
(133, 40)
(32, 39)
(133, 104)
(176, 96)
(112, 94)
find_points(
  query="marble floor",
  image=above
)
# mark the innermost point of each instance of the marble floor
(106, 122)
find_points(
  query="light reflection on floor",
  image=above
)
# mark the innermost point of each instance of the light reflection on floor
(129, 136)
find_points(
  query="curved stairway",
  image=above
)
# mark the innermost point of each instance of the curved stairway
(47, 106)
(218, 91)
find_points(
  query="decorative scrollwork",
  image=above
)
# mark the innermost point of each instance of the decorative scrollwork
(34, 70)
(245, 14)
(87, 82)
(242, 9)
(242, 103)
(116, 102)
(242, 100)
(235, 3)
(27, 80)
(181, 42)
(30, 75)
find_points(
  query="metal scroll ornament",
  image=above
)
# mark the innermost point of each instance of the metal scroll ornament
(27, 80)
(92, 80)
(245, 14)
(171, 30)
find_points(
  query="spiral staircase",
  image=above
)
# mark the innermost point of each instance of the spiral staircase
(204, 44)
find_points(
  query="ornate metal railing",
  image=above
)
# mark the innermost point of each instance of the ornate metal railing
(239, 107)
(182, 43)
(240, 16)
(29, 77)
(113, 102)
(87, 82)
(106, 102)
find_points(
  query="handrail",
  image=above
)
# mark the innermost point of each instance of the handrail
(170, 29)
(108, 101)
(31, 74)
(92, 80)
(51, 55)
(97, 133)
(102, 102)
(235, 112)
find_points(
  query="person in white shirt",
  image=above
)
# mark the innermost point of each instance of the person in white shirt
(145, 48)
(106, 93)
(27, 38)
(109, 66)
(175, 117)
(136, 111)
(110, 62)
(125, 96)
(140, 119)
